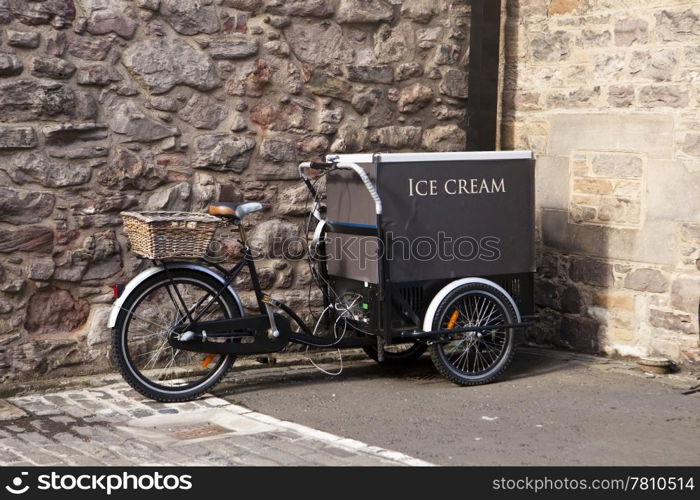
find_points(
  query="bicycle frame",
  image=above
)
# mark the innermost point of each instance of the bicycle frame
(265, 303)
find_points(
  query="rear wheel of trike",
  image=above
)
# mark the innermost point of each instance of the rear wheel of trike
(397, 354)
(149, 314)
(478, 357)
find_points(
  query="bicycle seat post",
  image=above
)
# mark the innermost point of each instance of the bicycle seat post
(241, 230)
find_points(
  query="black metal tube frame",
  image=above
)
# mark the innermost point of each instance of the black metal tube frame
(229, 275)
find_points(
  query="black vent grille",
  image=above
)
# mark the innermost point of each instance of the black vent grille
(520, 287)
(414, 296)
(512, 286)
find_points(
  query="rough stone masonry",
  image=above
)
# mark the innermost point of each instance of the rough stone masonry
(119, 105)
(158, 104)
(607, 93)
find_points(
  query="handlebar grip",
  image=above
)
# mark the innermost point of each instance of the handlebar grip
(316, 165)
(320, 165)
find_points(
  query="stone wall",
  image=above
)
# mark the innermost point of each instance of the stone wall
(607, 93)
(161, 104)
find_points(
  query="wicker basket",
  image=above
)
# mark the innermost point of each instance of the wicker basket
(167, 235)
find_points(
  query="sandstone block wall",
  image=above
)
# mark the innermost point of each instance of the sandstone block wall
(607, 93)
(156, 104)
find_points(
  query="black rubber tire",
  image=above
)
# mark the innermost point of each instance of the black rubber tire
(397, 358)
(437, 353)
(121, 356)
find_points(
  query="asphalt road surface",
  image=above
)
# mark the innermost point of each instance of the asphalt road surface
(550, 409)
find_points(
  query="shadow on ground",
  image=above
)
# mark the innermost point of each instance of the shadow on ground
(525, 364)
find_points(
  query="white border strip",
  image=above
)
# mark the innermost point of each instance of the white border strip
(325, 437)
(416, 157)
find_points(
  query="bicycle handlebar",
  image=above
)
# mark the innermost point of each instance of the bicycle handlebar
(348, 166)
(316, 165)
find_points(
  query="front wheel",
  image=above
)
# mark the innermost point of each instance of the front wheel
(477, 357)
(149, 315)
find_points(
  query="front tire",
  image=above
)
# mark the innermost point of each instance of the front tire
(140, 344)
(474, 358)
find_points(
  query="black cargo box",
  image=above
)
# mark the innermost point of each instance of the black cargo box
(444, 216)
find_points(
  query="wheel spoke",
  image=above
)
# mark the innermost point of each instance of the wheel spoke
(482, 363)
(485, 320)
(140, 318)
(464, 355)
(155, 357)
(490, 352)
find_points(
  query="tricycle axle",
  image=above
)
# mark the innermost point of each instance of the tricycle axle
(453, 331)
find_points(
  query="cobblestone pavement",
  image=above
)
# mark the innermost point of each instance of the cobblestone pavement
(113, 425)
